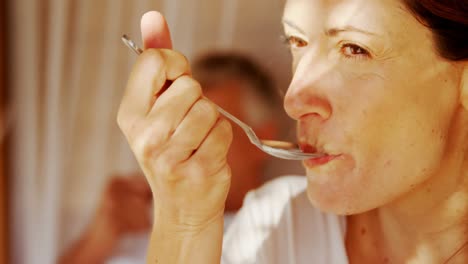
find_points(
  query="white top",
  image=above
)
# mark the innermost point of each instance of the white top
(277, 224)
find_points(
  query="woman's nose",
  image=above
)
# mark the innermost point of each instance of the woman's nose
(307, 93)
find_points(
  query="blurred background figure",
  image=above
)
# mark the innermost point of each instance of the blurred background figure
(124, 211)
(118, 232)
(243, 88)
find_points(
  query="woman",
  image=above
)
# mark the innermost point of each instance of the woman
(381, 87)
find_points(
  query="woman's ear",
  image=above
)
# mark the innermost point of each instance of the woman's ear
(464, 86)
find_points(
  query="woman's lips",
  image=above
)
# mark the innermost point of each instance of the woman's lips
(307, 148)
(319, 161)
(316, 161)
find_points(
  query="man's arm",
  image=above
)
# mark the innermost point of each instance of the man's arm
(92, 248)
(124, 209)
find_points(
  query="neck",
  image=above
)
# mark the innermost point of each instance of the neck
(427, 225)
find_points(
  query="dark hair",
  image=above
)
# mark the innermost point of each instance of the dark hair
(221, 66)
(448, 21)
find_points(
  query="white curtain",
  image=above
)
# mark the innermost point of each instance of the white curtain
(69, 70)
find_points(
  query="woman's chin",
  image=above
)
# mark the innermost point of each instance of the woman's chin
(334, 187)
(330, 171)
(333, 206)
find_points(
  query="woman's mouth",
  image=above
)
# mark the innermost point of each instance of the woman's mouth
(314, 162)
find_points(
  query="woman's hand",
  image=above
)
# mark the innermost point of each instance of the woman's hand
(178, 138)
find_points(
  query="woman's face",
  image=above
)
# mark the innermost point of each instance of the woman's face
(370, 91)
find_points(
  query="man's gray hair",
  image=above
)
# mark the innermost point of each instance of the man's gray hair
(261, 98)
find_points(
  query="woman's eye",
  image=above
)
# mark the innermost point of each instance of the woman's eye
(295, 42)
(354, 51)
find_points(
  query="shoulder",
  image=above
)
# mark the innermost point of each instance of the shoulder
(265, 205)
(276, 192)
(261, 211)
(286, 184)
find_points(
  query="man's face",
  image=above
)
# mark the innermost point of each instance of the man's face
(244, 158)
(229, 96)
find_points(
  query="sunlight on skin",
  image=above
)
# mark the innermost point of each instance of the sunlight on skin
(422, 255)
(362, 94)
(456, 205)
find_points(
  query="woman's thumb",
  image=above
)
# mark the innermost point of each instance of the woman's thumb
(155, 32)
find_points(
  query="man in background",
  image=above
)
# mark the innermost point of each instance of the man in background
(238, 85)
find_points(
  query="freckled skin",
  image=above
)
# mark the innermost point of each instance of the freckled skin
(363, 231)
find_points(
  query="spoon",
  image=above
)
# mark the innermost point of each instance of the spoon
(279, 149)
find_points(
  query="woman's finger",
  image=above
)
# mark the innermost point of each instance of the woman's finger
(155, 31)
(147, 78)
(175, 103)
(149, 75)
(192, 130)
(177, 64)
(213, 150)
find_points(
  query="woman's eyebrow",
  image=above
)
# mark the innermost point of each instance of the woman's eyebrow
(332, 32)
(335, 31)
(291, 24)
